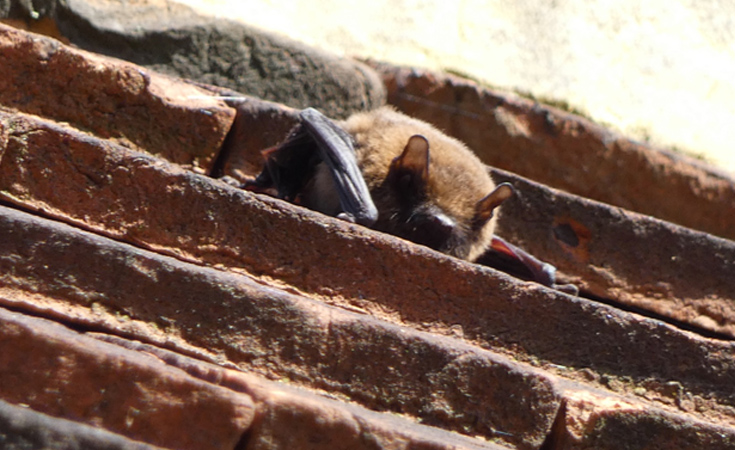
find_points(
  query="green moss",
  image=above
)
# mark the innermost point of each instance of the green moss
(563, 105)
(557, 103)
(467, 76)
(696, 154)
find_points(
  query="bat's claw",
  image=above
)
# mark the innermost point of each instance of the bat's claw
(346, 217)
(545, 274)
(230, 180)
(570, 289)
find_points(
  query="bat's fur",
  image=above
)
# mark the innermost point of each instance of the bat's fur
(447, 215)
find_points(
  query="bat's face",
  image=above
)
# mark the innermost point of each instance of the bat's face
(396, 174)
(390, 172)
(428, 188)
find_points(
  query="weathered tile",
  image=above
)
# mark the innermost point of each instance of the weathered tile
(112, 99)
(100, 284)
(56, 371)
(290, 417)
(567, 151)
(22, 428)
(361, 316)
(594, 419)
(208, 222)
(636, 261)
(169, 37)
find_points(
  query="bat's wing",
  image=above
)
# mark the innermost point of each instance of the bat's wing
(513, 260)
(290, 166)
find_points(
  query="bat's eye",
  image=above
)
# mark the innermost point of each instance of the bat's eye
(432, 229)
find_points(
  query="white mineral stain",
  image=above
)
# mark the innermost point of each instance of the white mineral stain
(659, 70)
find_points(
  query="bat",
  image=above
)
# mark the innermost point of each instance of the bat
(399, 175)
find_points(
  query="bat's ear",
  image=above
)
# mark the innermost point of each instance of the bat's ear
(485, 207)
(411, 168)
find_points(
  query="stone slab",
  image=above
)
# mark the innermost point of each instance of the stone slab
(97, 283)
(283, 245)
(22, 428)
(291, 417)
(566, 151)
(171, 38)
(112, 99)
(58, 372)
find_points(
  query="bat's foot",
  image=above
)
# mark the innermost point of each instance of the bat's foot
(347, 217)
(365, 220)
(570, 289)
(230, 180)
(254, 186)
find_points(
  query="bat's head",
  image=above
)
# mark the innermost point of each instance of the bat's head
(428, 188)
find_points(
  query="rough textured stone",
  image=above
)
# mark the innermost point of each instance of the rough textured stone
(635, 260)
(86, 380)
(172, 38)
(92, 166)
(659, 70)
(76, 377)
(275, 241)
(687, 279)
(158, 299)
(449, 344)
(286, 417)
(314, 424)
(289, 417)
(112, 99)
(588, 418)
(566, 151)
(592, 419)
(22, 428)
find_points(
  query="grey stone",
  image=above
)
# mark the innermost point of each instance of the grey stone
(23, 428)
(174, 39)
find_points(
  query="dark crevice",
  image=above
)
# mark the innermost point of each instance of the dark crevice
(516, 271)
(686, 326)
(10, 205)
(226, 149)
(244, 441)
(557, 437)
(45, 216)
(91, 230)
(515, 268)
(229, 147)
(111, 336)
(80, 328)
(82, 227)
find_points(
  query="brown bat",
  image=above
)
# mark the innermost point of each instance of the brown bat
(399, 175)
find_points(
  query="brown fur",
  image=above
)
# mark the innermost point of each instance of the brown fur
(457, 179)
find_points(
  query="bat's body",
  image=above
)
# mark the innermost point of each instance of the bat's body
(434, 202)
(395, 174)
